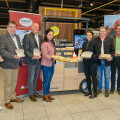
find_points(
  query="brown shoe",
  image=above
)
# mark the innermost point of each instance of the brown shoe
(38, 96)
(50, 97)
(9, 105)
(46, 98)
(32, 98)
(16, 100)
(106, 93)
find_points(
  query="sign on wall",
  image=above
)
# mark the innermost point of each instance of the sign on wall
(110, 21)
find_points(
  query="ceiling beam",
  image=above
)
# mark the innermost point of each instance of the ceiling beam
(101, 16)
(7, 4)
(74, 6)
(21, 1)
(13, 8)
(99, 7)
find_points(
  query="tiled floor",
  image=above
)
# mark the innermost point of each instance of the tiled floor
(70, 105)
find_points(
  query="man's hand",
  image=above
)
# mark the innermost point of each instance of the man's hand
(100, 57)
(114, 25)
(16, 57)
(22, 50)
(36, 57)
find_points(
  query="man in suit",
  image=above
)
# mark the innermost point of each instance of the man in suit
(106, 47)
(116, 61)
(30, 43)
(9, 42)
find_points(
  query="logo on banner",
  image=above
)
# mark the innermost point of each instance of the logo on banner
(26, 22)
(56, 30)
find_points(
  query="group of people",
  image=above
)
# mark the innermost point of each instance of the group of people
(96, 65)
(93, 67)
(9, 42)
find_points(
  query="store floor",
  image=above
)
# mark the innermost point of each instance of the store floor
(70, 105)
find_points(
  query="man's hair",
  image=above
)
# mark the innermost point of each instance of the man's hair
(103, 27)
(12, 22)
(117, 26)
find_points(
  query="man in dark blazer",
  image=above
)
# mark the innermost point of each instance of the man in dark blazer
(116, 61)
(106, 47)
(31, 42)
(9, 42)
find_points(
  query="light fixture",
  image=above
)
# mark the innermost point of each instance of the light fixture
(91, 3)
(80, 4)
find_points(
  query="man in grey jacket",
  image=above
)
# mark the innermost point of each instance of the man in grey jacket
(31, 42)
(9, 42)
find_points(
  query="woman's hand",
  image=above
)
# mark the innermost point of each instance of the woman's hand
(109, 59)
(36, 57)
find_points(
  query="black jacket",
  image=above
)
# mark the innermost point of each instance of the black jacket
(108, 49)
(29, 43)
(91, 46)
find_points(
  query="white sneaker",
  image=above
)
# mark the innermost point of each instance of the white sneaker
(0, 108)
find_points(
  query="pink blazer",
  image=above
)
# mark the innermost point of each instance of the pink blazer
(47, 50)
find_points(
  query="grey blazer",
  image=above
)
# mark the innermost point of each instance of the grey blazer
(7, 51)
(29, 43)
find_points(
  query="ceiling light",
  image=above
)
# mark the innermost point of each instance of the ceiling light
(80, 4)
(91, 4)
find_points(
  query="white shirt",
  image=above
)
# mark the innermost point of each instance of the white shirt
(15, 41)
(37, 39)
(102, 47)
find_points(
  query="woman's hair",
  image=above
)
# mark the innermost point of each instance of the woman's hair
(46, 39)
(89, 31)
(47, 31)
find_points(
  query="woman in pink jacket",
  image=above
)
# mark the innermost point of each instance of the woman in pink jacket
(47, 64)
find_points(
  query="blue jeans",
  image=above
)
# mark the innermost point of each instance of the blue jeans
(33, 72)
(47, 77)
(106, 70)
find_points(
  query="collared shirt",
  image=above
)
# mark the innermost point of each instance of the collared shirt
(15, 41)
(117, 47)
(102, 46)
(37, 39)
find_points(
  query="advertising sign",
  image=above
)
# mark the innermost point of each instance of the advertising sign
(24, 22)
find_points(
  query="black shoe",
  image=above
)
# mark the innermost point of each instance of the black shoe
(32, 98)
(112, 91)
(99, 91)
(37, 95)
(93, 95)
(119, 92)
(106, 93)
(88, 93)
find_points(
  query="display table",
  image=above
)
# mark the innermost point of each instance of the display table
(21, 87)
(66, 76)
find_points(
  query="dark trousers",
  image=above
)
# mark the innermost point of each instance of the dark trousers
(115, 65)
(90, 69)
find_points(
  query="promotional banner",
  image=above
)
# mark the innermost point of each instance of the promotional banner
(110, 21)
(24, 22)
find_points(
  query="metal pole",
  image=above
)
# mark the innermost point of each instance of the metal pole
(44, 27)
(61, 3)
(86, 25)
(78, 25)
